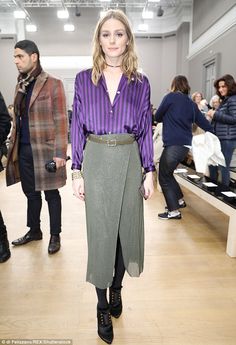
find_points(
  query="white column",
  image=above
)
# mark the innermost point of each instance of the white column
(7, 23)
(20, 29)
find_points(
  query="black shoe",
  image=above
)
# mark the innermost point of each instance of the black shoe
(54, 244)
(105, 328)
(28, 237)
(167, 215)
(4, 248)
(183, 205)
(115, 302)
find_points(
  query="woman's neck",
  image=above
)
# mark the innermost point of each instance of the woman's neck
(113, 63)
(113, 66)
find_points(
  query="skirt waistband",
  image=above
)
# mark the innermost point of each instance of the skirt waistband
(119, 139)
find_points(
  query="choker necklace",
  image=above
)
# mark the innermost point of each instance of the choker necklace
(112, 65)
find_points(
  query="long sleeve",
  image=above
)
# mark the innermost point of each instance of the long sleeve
(162, 109)
(145, 140)
(78, 138)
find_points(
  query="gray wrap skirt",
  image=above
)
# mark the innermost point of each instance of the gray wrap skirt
(112, 176)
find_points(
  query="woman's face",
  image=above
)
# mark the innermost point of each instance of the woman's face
(113, 39)
(216, 103)
(222, 88)
(198, 98)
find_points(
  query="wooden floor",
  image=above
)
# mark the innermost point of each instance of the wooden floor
(186, 295)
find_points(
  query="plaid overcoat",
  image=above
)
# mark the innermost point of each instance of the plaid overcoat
(48, 134)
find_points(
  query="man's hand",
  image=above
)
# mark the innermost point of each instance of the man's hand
(60, 162)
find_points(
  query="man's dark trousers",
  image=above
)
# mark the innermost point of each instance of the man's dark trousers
(34, 199)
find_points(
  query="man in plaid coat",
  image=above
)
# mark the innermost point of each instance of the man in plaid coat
(39, 135)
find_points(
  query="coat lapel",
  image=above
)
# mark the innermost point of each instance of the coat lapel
(40, 81)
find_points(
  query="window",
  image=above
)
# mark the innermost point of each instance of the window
(210, 73)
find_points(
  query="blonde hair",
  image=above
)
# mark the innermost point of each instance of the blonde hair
(129, 64)
(194, 95)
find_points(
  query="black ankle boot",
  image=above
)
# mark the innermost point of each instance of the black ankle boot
(4, 248)
(115, 302)
(105, 328)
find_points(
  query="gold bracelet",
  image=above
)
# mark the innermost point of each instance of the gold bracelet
(77, 174)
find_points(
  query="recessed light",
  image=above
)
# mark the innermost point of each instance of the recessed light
(31, 28)
(102, 13)
(147, 14)
(143, 27)
(69, 27)
(19, 14)
(62, 14)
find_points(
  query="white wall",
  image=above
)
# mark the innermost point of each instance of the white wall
(182, 49)
(8, 75)
(206, 13)
(224, 46)
(157, 58)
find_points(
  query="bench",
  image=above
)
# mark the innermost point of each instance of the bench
(214, 196)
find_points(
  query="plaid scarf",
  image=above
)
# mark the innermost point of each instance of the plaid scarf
(23, 81)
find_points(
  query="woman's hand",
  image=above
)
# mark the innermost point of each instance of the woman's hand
(148, 185)
(78, 188)
(210, 113)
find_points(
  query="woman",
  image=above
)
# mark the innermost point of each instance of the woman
(197, 97)
(5, 126)
(112, 120)
(215, 102)
(177, 112)
(224, 123)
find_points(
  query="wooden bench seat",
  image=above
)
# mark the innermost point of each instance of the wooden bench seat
(214, 196)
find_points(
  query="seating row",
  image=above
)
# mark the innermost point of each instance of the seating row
(219, 196)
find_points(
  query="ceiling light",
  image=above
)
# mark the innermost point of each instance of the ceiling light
(62, 14)
(154, 0)
(102, 13)
(19, 14)
(69, 27)
(105, 0)
(143, 27)
(147, 14)
(31, 28)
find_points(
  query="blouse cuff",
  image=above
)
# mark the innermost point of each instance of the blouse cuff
(151, 168)
(76, 166)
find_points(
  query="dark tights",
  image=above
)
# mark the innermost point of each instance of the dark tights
(2, 226)
(117, 279)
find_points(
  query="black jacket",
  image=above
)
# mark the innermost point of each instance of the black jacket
(224, 121)
(5, 121)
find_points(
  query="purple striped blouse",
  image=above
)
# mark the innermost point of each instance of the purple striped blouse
(94, 113)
